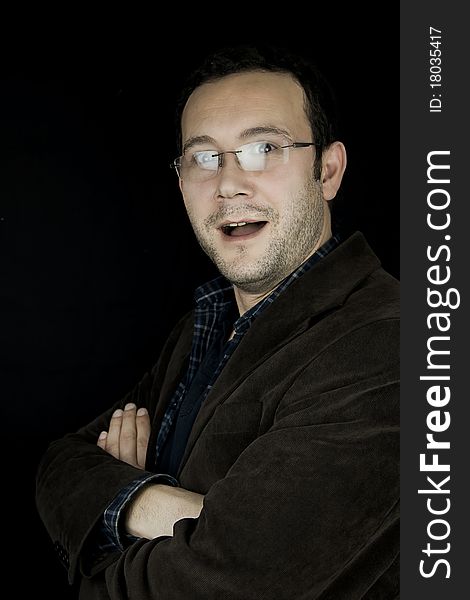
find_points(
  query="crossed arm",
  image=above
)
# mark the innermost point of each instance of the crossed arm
(309, 506)
(155, 508)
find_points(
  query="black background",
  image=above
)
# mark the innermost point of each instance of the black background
(97, 258)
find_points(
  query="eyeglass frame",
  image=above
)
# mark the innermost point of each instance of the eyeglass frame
(175, 166)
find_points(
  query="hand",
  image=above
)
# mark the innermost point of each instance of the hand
(156, 508)
(128, 435)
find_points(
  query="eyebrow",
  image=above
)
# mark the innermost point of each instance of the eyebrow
(196, 140)
(245, 134)
(263, 130)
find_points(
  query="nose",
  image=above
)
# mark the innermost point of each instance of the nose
(232, 180)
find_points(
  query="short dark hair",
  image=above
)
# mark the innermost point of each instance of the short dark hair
(320, 103)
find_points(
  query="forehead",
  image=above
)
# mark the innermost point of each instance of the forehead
(223, 108)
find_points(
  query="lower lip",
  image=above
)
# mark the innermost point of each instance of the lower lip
(242, 238)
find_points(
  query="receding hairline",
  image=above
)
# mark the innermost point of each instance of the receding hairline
(217, 78)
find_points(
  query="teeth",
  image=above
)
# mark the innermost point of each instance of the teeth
(236, 224)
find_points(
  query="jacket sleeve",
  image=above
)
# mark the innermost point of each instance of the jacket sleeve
(76, 480)
(308, 510)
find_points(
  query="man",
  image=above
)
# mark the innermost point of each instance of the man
(268, 431)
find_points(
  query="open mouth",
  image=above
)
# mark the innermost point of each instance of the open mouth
(242, 228)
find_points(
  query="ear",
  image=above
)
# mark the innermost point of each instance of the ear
(333, 166)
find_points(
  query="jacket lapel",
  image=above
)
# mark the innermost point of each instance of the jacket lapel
(317, 292)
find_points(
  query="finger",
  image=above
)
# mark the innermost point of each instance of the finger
(143, 434)
(102, 440)
(112, 439)
(128, 436)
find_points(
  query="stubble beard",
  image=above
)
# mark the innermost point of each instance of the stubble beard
(291, 242)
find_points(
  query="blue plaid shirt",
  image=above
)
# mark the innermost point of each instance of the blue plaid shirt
(212, 302)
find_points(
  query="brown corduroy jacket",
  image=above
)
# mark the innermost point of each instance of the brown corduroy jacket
(296, 449)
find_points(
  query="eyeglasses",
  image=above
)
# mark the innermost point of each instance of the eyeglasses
(200, 165)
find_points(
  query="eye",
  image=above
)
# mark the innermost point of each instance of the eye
(204, 158)
(263, 147)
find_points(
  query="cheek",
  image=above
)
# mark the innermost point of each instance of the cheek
(192, 205)
(281, 190)
(197, 209)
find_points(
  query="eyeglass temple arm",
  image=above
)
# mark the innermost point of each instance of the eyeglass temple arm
(302, 145)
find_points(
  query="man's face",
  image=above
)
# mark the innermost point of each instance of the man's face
(284, 207)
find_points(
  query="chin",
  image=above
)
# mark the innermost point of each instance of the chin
(249, 280)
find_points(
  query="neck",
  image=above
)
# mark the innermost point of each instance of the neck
(246, 300)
